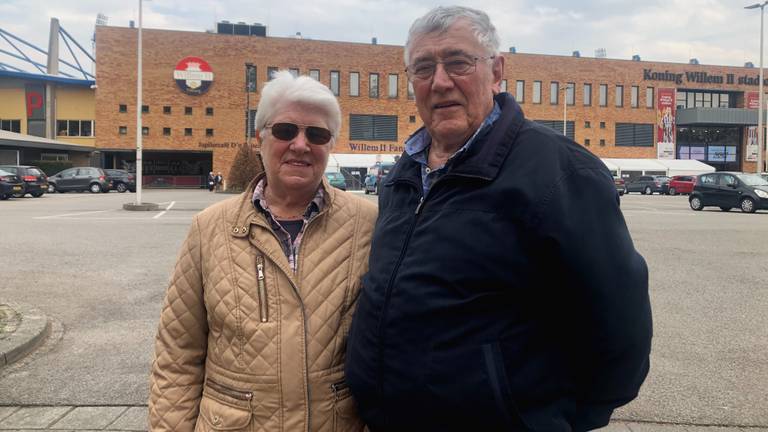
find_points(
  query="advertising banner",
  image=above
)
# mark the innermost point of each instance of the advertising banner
(752, 100)
(751, 154)
(665, 123)
(34, 95)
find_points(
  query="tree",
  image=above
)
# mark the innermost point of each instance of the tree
(245, 167)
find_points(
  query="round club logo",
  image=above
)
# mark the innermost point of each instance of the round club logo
(193, 75)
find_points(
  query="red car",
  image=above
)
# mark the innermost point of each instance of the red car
(681, 184)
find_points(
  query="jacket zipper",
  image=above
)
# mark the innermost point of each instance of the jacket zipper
(233, 393)
(263, 306)
(337, 388)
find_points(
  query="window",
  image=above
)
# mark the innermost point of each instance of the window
(54, 157)
(122, 108)
(603, 95)
(314, 74)
(294, 72)
(634, 134)
(11, 125)
(373, 85)
(649, 97)
(554, 90)
(602, 125)
(122, 130)
(587, 125)
(187, 110)
(167, 131)
(354, 84)
(335, 82)
(570, 94)
(619, 95)
(634, 97)
(145, 130)
(587, 94)
(520, 91)
(557, 126)
(166, 109)
(410, 90)
(503, 86)
(373, 127)
(271, 72)
(250, 78)
(586, 142)
(187, 131)
(392, 86)
(209, 132)
(145, 109)
(250, 121)
(74, 128)
(537, 92)
(412, 119)
(209, 111)
(602, 143)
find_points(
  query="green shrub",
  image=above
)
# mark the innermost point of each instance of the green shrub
(245, 167)
(52, 167)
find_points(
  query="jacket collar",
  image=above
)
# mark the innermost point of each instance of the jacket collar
(483, 159)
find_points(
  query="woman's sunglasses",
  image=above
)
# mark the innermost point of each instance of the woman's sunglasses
(287, 131)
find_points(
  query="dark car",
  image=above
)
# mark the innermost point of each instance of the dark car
(376, 175)
(648, 185)
(621, 185)
(35, 180)
(337, 180)
(122, 180)
(90, 179)
(727, 190)
(10, 184)
(682, 184)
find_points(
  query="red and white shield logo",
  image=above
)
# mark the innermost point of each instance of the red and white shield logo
(193, 75)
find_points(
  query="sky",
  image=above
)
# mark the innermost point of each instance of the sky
(716, 32)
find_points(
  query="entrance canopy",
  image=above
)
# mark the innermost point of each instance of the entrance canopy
(669, 167)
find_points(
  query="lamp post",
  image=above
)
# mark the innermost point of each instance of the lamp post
(760, 110)
(565, 105)
(139, 171)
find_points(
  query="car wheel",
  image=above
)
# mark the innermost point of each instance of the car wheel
(621, 193)
(121, 187)
(725, 209)
(367, 191)
(37, 194)
(647, 191)
(672, 191)
(747, 205)
(95, 188)
(696, 203)
(4, 197)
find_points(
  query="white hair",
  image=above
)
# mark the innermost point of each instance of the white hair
(441, 18)
(285, 89)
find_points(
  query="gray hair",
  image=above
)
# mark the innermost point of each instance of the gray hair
(285, 89)
(441, 18)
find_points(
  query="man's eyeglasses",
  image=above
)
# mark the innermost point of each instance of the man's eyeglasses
(287, 131)
(453, 66)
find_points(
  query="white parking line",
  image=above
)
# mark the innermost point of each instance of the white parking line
(157, 216)
(70, 214)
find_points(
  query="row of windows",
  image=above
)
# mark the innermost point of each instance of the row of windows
(626, 134)
(699, 99)
(123, 130)
(74, 128)
(123, 108)
(570, 96)
(11, 125)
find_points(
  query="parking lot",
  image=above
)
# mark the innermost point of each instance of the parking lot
(100, 273)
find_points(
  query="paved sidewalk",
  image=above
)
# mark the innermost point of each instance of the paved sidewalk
(22, 329)
(134, 418)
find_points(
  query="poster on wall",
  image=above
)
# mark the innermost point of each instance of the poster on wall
(751, 154)
(665, 123)
(752, 100)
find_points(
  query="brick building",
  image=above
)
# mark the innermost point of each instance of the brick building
(199, 86)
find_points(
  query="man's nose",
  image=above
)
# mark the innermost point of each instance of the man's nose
(441, 80)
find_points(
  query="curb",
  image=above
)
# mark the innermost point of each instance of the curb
(32, 330)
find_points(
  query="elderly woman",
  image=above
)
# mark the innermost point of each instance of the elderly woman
(252, 335)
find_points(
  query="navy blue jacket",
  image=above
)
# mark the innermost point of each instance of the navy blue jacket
(510, 298)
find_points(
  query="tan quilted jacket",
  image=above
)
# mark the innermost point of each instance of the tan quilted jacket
(244, 344)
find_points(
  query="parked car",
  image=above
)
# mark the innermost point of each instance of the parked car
(377, 174)
(35, 180)
(621, 185)
(764, 175)
(648, 185)
(337, 180)
(122, 180)
(682, 184)
(90, 179)
(727, 190)
(10, 184)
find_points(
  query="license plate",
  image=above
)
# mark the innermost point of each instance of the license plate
(17, 188)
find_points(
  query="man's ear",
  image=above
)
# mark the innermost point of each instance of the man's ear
(498, 72)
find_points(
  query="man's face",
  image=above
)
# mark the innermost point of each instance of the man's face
(453, 107)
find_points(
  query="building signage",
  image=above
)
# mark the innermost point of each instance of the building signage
(665, 123)
(34, 95)
(193, 75)
(700, 78)
(751, 154)
(752, 100)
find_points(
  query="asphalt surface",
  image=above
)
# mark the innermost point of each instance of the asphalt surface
(100, 272)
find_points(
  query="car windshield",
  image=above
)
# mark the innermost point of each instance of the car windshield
(752, 180)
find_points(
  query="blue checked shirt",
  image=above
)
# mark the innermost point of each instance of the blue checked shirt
(417, 146)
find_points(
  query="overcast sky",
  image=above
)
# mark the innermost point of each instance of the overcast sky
(717, 32)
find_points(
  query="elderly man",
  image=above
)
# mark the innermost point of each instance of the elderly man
(504, 291)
